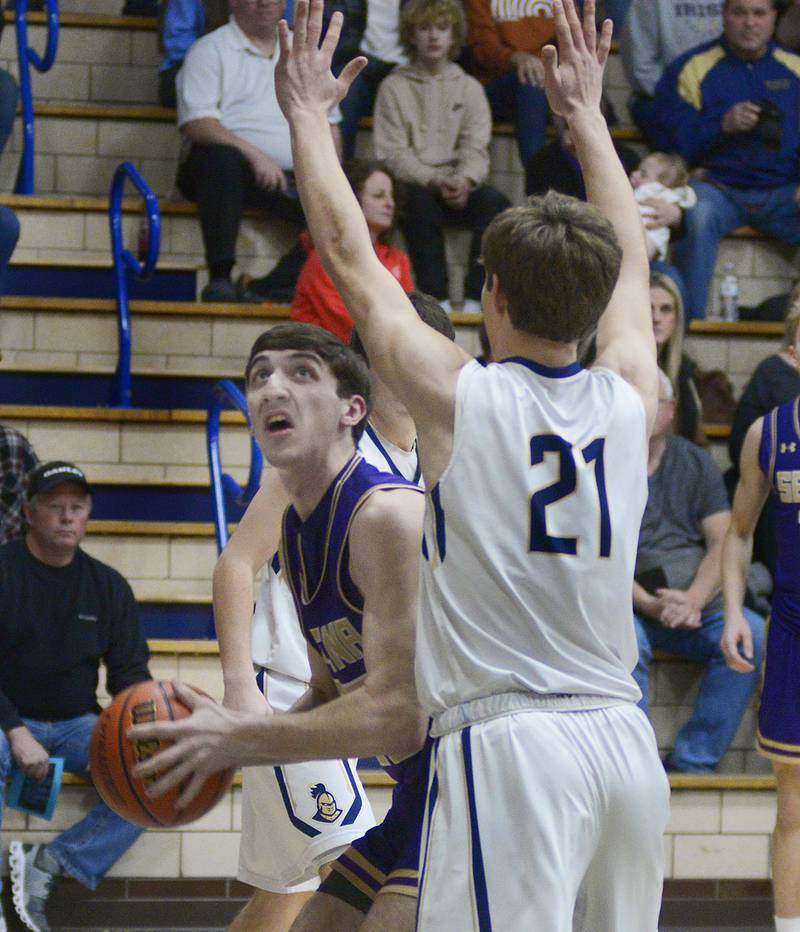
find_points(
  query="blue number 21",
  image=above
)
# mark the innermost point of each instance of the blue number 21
(565, 485)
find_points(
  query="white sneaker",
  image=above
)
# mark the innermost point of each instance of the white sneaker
(471, 306)
(31, 885)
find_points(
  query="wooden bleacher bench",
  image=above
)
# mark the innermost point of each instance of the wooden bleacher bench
(264, 311)
(89, 20)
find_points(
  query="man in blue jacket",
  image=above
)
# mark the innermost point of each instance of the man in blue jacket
(732, 108)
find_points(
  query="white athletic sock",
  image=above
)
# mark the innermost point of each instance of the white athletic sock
(787, 925)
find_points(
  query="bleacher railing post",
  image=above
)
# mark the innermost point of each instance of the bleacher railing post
(124, 260)
(225, 392)
(27, 57)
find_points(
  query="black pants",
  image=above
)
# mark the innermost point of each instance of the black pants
(167, 93)
(425, 216)
(220, 181)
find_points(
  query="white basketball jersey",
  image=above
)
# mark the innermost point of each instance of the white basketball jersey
(277, 642)
(531, 536)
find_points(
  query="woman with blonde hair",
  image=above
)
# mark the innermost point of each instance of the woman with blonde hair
(666, 306)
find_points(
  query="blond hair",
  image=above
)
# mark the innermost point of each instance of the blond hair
(792, 320)
(423, 13)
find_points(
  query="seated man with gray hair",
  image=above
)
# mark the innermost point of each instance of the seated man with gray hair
(676, 591)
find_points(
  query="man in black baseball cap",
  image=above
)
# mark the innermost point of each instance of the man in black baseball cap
(62, 613)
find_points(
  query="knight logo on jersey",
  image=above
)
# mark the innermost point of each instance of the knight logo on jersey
(327, 810)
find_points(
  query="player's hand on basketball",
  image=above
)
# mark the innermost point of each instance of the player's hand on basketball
(204, 743)
(31, 758)
(303, 76)
(737, 643)
(573, 74)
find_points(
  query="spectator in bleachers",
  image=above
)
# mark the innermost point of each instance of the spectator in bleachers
(371, 28)
(316, 300)
(182, 24)
(505, 41)
(676, 591)
(656, 32)
(732, 107)
(61, 613)
(556, 166)
(17, 459)
(433, 128)
(774, 381)
(666, 306)
(240, 151)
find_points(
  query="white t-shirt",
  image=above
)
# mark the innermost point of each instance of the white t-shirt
(277, 643)
(381, 37)
(226, 78)
(530, 538)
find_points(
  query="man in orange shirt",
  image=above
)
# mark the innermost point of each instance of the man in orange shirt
(506, 40)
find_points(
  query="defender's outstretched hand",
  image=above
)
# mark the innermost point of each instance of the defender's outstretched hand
(574, 73)
(303, 76)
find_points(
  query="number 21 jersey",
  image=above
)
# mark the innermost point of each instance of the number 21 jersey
(530, 538)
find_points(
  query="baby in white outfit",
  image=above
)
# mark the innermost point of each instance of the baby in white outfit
(662, 176)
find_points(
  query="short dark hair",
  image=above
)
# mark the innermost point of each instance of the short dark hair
(557, 261)
(430, 312)
(349, 370)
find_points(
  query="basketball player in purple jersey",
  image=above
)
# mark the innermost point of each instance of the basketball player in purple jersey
(770, 463)
(350, 549)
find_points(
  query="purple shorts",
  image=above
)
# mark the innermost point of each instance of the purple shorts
(779, 710)
(386, 858)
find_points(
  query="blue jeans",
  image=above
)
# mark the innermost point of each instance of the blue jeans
(522, 105)
(89, 848)
(723, 695)
(719, 210)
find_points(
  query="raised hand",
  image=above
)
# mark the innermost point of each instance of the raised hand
(573, 74)
(303, 76)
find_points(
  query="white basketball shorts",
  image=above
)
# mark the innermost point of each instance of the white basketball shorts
(544, 817)
(297, 817)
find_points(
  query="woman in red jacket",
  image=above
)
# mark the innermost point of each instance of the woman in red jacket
(316, 300)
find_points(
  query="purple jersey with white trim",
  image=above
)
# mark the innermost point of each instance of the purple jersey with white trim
(779, 459)
(315, 557)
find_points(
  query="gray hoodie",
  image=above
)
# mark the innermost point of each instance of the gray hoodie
(658, 31)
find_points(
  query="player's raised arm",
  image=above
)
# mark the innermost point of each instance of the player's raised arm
(751, 493)
(573, 81)
(399, 345)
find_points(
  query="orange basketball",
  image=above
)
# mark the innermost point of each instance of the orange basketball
(112, 757)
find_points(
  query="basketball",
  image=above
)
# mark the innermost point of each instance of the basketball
(112, 757)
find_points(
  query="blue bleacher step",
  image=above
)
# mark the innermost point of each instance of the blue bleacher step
(176, 618)
(91, 281)
(163, 391)
(154, 501)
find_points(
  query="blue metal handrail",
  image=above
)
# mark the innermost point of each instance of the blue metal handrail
(124, 260)
(27, 57)
(226, 392)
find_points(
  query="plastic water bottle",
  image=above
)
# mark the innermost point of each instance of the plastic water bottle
(729, 293)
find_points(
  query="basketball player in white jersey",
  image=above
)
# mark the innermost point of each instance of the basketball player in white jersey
(547, 800)
(284, 844)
